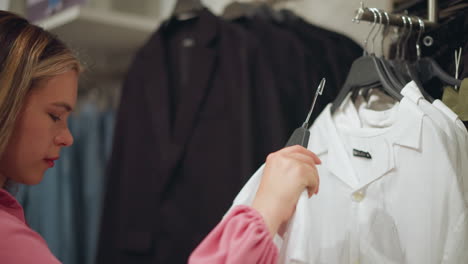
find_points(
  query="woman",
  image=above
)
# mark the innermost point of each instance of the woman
(38, 90)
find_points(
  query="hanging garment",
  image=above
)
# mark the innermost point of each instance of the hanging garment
(286, 55)
(457, 100)
(385, 197)
(450, 124)
(52, 4)
(332, 52)
(450, 35)
(184, 148)
(92, 131)
(443, 121)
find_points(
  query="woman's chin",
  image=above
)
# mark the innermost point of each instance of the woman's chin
(32, 180)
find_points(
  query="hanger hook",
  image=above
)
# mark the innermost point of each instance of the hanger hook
(370, 32)
(403, 36)
(359, 13)
(408, 37)
(378, 30)
(421, 31)
(381, 26)
(458, 54)
(385, 32)
(398, 51)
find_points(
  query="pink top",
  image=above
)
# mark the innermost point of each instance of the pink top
(242, 237)
(19, 244)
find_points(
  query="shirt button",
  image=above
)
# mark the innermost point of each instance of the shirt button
(358, 196)
(188, 42)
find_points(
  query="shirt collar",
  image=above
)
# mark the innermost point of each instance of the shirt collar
(405, 132)
(9, 204)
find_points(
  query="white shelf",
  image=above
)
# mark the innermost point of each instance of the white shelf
(60, 18)
(97, 31)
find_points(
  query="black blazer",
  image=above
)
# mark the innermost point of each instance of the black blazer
(174, 172)
(286, 54)
(333, 52)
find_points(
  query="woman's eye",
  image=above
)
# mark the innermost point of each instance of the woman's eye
(54, 117)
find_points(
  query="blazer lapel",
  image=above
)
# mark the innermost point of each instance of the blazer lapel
(202, 62)
(156, 88)
(201, 67)
(169, 142)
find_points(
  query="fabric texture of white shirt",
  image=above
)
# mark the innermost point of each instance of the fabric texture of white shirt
(404, 205)
(452, 126)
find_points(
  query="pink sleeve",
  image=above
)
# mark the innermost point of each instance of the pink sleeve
(21, 245)
(241, 237)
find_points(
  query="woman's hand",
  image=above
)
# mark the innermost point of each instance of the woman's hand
(288, 172)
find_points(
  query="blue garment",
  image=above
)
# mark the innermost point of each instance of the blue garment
(65, 207)
(91, 142)
(54, 3)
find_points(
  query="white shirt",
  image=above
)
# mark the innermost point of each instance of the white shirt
(453, 127)
(405, 206)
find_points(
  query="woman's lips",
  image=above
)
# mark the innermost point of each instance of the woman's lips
(51, 162)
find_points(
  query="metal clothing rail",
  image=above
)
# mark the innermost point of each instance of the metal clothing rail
(433, 10)
(365, 14)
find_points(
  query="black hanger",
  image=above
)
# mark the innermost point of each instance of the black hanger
(415, 77)
(186, 9)
(266, 12)
(237, 10)
(428, 68)
(366, 71)
(400, 64)
(289, 15)
(400, 68)
(409, 70)
(395, 76)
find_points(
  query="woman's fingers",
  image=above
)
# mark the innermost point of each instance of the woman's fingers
(300, 149)
(309, 171)
(313, 181)
(287, 173)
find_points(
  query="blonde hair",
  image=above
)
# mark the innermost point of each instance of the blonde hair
(28, 54)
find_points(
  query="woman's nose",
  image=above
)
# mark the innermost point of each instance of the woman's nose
(64, 139)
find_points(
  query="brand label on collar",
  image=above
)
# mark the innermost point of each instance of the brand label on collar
(362, 154)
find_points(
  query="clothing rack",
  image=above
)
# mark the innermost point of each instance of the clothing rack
(274, 2)
(365, 14)
(433, 10)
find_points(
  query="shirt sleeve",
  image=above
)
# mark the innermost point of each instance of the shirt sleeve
(241, 237)
(21, 245)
